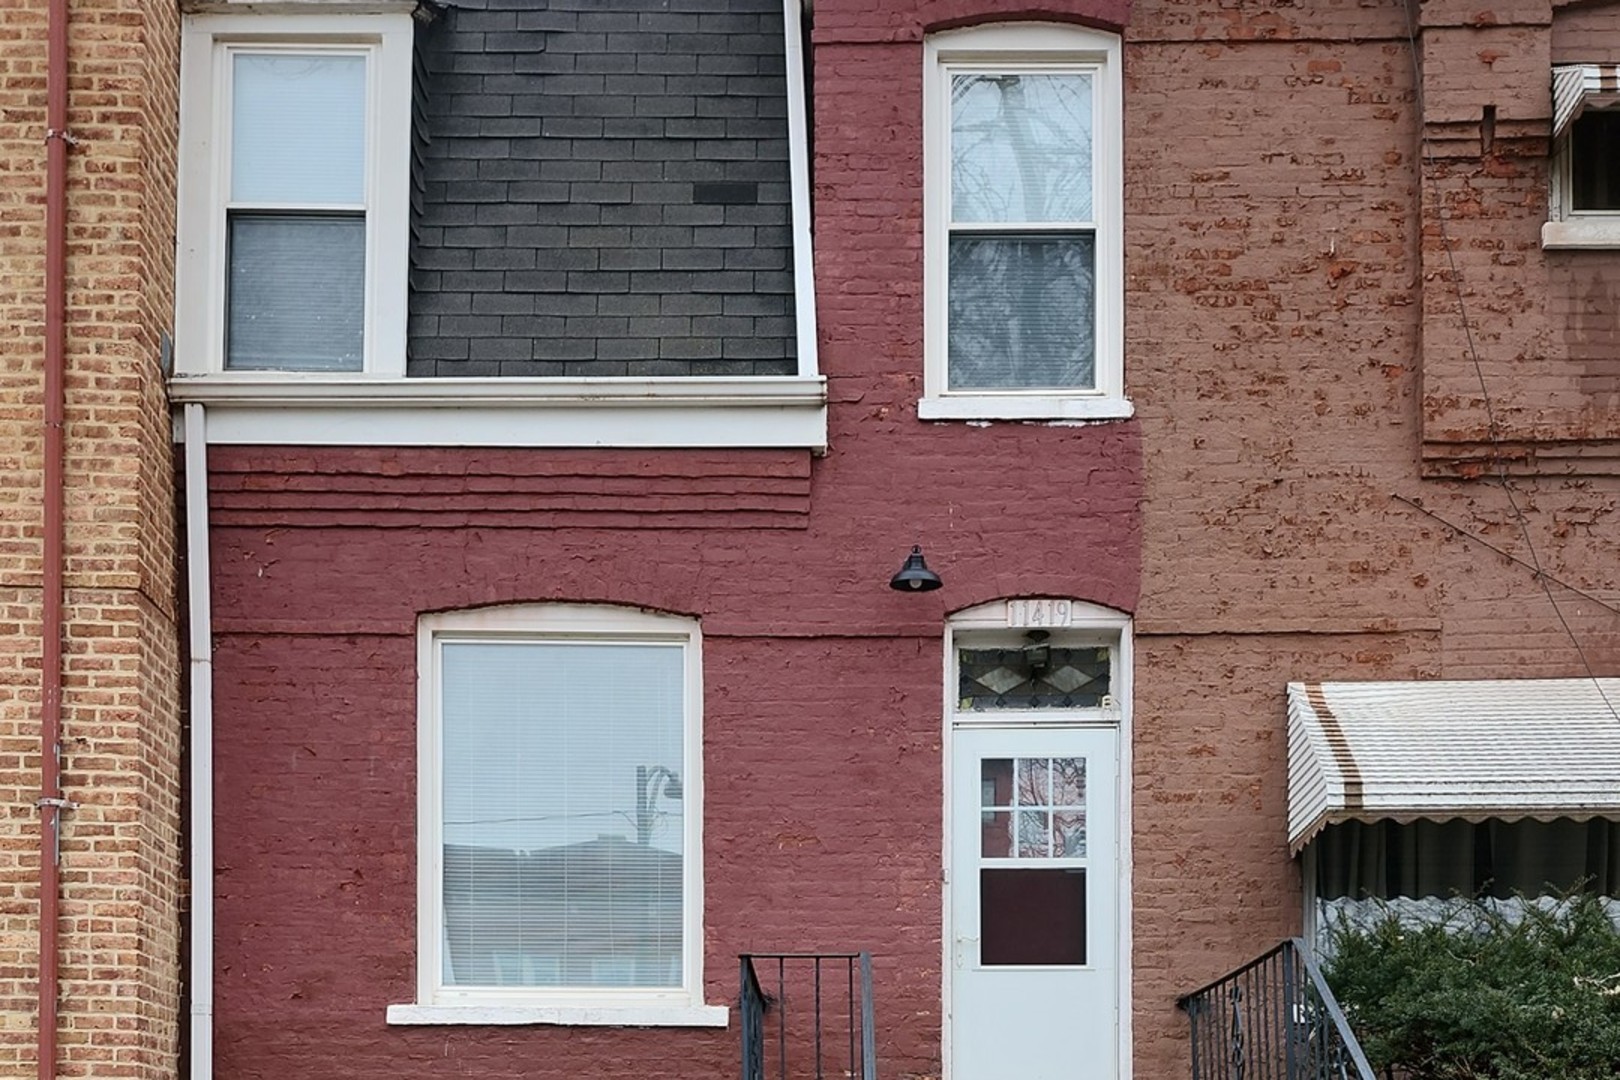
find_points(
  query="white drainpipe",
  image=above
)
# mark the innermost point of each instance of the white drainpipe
(201, 622)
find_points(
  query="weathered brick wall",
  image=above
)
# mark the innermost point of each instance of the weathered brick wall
(120, 848)
(1544, 322)
(1295, 342)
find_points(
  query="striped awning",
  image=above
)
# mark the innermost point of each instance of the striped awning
(1578, 87)
(1505, 749)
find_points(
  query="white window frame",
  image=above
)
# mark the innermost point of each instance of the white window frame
(435, 1003)
(207, 45)
(1043, 47)
(1566, 226)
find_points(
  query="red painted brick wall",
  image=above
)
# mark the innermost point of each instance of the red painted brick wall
(821, 696)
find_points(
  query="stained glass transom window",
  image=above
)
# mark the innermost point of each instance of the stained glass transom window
(1034, 677)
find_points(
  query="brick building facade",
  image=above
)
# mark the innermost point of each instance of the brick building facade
(1364, 341)
(120, 868)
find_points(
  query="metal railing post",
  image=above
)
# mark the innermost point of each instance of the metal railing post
(810, 1040)
(868, 1031)
(1274, 1018)
(1292, 999)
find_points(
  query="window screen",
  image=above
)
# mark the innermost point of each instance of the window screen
(563, 813)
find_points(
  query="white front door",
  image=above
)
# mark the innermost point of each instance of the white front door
(1033, 877)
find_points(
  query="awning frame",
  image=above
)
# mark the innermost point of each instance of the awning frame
(1578, 87)
(1479, 750)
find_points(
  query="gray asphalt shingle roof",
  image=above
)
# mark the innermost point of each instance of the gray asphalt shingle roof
(602, 189)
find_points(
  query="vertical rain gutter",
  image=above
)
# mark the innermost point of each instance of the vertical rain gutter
(52, 571)
(200, 620)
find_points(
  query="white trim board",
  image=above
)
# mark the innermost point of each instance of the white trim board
(769, 412)
(804, 264)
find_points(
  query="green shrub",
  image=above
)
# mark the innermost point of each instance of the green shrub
(1485, 996)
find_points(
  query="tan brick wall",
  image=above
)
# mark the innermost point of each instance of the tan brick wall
(120, 849)
(1288, 308)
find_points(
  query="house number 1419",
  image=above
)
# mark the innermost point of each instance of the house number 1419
(1039, 613)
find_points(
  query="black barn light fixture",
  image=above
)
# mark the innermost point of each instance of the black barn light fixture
(914, 575)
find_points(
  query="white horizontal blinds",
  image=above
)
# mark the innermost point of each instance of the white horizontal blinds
(1022, 253)
(296, 275)
(563, 813)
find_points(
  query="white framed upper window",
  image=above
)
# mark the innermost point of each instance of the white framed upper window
(1584, 174)
(1023, 208)
(559, 818)
(294, 194)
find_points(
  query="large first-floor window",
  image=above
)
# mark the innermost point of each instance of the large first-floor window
(559, 807)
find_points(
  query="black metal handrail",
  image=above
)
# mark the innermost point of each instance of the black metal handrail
(792, 1020)
(1274, 1018)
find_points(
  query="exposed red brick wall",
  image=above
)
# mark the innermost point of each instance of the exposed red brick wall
(119, 1011)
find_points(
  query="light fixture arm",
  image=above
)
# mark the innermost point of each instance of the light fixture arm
(648, 788)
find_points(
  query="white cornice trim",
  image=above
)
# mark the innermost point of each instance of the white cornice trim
(280, 390)
(699, 412)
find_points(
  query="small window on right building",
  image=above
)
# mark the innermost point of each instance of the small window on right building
(1584, 200)
(1023, 261)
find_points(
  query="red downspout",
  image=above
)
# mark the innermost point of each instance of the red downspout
(50, 725)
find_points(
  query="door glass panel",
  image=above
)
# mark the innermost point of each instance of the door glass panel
(1031, 917)
(1032, 811)
(996, 776)
(995, 834)
(1034, 834)
(1047, 797)
(1069, 781)
(1033, 786)
(1069, 834)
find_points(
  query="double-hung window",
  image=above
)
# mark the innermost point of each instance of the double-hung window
(294, 181)
(559, 813)
(1023, 264)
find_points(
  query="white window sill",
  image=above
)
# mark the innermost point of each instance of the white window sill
(700, 412)
(1055, 409)
(1581, 232)
(713, 1016)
